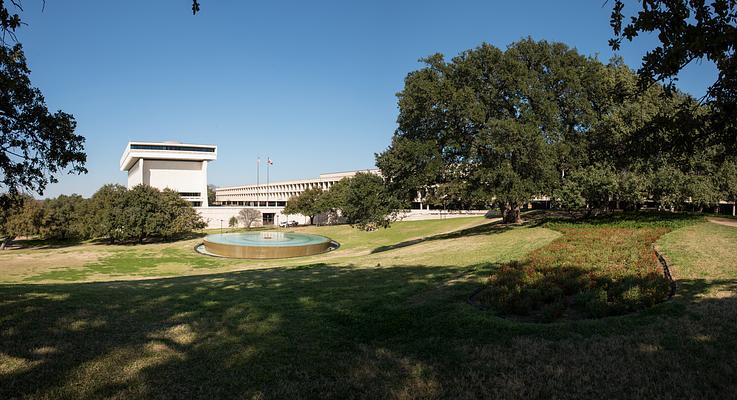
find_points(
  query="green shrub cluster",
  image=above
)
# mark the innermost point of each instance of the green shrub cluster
(362, 200)
(630, 219)
(600, 187)
(589, 272)
(113, 213)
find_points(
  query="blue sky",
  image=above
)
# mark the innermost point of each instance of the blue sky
(311, 84)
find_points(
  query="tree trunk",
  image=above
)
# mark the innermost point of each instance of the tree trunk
(6, 242)
(734, 207)
(511, 213)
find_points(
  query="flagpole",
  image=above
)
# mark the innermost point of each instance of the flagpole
(268, 163)
(258, 182)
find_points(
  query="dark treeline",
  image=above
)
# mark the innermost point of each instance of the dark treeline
(112, 213)
(501, 127)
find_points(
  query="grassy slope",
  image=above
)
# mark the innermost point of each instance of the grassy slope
(100, 262)
(703, 251)
(332, 330)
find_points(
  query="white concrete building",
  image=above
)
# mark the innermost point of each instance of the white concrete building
(276, 194)
(178, 166)
(183, 167)
(270, 199)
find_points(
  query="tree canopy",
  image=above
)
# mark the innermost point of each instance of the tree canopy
(308, 203)
(36, 144)
(366, 203)
(211, 196)
(19, 218)
(113, 213)
(500, 127)
(65, 217)
(688, 30)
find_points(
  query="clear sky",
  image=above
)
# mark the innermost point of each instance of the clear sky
(310, 84)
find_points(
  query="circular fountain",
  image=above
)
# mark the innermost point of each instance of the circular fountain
(265, 244)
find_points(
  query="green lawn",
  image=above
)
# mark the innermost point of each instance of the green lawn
(101, 262)
(703, 251)
(384, 316)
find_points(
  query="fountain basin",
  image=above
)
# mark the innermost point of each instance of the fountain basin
(264, 245)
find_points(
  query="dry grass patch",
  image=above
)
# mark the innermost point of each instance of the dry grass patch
(17, 266)
(702, 251)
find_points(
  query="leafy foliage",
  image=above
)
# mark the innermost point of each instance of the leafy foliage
(667, 187)
(501, 126)
(145, 212)
(106, 213)
(367, 204)
(64, 218)
(308, 203)
(688, 30)
(36, 144)
(113, 212)
(180, 218)
(598, 185)
(631, 220)
(631, 189)
(211, 194)
(728, 182)
(702, 191)
(19, 218)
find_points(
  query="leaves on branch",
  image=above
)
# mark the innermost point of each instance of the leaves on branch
(35, 144)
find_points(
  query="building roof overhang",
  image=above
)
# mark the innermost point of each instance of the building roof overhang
(135, 151)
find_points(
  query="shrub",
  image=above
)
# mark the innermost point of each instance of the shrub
(64, 218)
(140, 213)
(20, 217)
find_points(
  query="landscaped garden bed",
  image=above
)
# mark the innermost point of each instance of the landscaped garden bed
(597, 268)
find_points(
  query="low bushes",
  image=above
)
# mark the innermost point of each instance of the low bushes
(589, 272)
(113, 213)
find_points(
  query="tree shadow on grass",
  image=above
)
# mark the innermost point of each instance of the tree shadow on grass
(48, 244)
(286, 332)
(489, 228)
(313, 331)
(150, 240)
(41, 244)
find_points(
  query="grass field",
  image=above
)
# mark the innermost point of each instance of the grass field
(101, 262)
(384, 316)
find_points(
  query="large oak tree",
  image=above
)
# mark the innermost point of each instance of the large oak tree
(503, 126)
